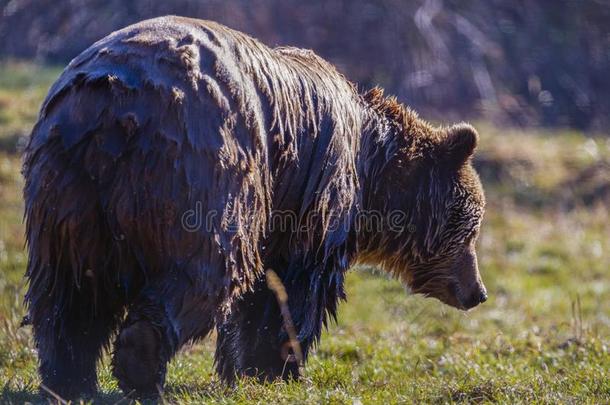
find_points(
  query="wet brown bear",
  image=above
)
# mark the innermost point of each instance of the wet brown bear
(161, 161)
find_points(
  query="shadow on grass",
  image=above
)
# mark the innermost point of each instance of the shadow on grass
(30, 395)
(19, 396)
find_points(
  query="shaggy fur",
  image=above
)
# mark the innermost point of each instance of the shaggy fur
(174, 113)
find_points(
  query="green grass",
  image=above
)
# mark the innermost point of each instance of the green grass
(543, 336)
(22, 89)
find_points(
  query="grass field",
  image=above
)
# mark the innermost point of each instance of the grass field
(543, 336)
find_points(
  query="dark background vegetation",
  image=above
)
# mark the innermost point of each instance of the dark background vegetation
(542, 62)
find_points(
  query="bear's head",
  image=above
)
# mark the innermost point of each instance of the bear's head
(433, 203)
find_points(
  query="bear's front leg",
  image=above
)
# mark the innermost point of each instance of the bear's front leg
(253, 340)
(168, 313)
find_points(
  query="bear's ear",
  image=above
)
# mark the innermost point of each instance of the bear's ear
(460, 143)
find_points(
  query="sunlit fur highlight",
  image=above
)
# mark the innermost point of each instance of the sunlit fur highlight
(443, 200)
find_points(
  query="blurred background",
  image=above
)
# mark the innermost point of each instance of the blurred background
(542, 62)
(534, 78)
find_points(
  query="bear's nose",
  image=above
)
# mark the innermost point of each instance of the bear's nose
(479, 296)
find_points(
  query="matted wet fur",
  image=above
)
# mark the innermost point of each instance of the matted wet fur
(159, 161)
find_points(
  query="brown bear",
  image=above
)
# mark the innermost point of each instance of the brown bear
(161, 160)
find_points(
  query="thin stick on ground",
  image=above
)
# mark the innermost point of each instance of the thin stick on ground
(55, 396)
(275, 284)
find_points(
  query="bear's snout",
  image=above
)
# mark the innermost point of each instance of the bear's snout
(469, 290)
(478, 295)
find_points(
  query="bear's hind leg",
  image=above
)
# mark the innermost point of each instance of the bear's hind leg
(69, 337)
(168, 313)
(142, 348)
(73, 300)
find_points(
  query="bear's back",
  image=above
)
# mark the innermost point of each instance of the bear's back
(174, 115)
